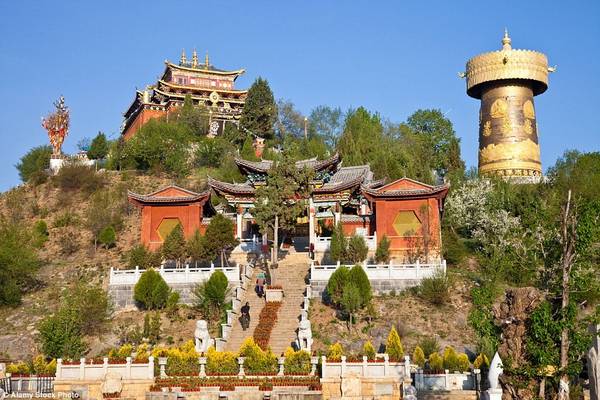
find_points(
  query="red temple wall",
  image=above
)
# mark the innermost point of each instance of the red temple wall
(190, 217)
(143, 117)
(349, 227)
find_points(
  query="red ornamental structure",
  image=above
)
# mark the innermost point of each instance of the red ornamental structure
(57, 125)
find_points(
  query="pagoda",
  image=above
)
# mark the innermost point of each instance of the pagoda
(207, 86)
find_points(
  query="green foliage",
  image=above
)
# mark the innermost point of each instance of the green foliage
(463, 363)
(260, 111)
(335, 352)
(98, 148)
(151, 290)
(393, 345)
(338, 248)
(33, 165)
(296, 362)
(223, 362)
(153, 333)
(64, 219)
(61, 335)
(211, 151)
(140, 256)
(91, 304)
(220, 236)
(481, 319)
(40, 233)
(198, 249)
(173, 302)
(481, 362)
(107, 237)
(382, 253)
(436, 363)
(211, 295)
(419, 357)
(257, 360)
(78, 177)
(429, 345)
(174, 246)
(368, 350)
(336, 282)
(436, 288)
(193, 117)
(357, 249)
(358, 277)
(327, 122)
(450, 359)
(351, 300)
(18, 262)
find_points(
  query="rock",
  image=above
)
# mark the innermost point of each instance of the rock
(113, 383)
(594, 364)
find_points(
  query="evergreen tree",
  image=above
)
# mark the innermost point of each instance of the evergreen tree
(260, 111)
(357, 249)
(32, 165)
(220, 236)
(351, 301)
(419, 357)
(107, 237)
(382, 254)
(393, 345)
(198, 249)
(151, 290)
(336, 282)
(98, 150)
(358, 277)
(338, 248)
(174, 246)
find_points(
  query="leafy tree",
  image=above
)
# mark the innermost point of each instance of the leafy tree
(174, 246)
(351, 301)
(210, 152)
(358, 277)
(327, 122)
(211, 295)
(419, 357)
(32, 165)
(61, 335)
(198, 249)
(289, 120)
(369, 350)
(338, 248)
(260, 111)
(151, 290)
(193, 117)
(220, 236)
(382, 253)
(98, 150)
(92, 305)
(140, 256)
(18, 262)
(336, 282)
(393, 345)
(357, 249)
(107, 237)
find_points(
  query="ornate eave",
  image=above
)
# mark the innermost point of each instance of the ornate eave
(186, 197)
(231, 188)
(197, 97)
(202, 68)
(202, 88)
(263, 166)
(438, 191)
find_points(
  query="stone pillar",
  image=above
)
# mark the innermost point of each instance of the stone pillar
(162, 363)
(59, 368)
(280, 361)
(314, 361)
(311, 222)
(128, 368)
(241, 363)
(202, 362)
(151, 367)
(495, 391)
(238, 223)
(343, 366)
(82, 368)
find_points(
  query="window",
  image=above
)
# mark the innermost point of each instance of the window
(406, 223)
(166, 226)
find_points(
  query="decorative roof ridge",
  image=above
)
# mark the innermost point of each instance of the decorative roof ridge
(405, 178)
(318, 164)
(405, 192)
(201, 68)
(173, 186)
(209, 89)
(152, 197)
(227, 186)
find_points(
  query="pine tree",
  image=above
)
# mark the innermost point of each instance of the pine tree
(357, 249)
(219, 236)
(99, 147)
(338, 249)
(359, 278)
(260, 111)
(419, 357)
(382, 254)
(198, 249)
(393, 345)
(174, 245)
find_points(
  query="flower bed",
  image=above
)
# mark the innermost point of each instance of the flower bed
(193, 384)
(266, 321)
(274, 287)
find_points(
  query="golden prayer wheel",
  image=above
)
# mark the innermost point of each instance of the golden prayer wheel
(506, 82)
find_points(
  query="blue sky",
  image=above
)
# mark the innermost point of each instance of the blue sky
(390, 56)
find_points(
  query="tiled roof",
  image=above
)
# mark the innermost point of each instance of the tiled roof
(154, 197)
(265, 165)
(234, 188)
(430, 190)
(346, 178)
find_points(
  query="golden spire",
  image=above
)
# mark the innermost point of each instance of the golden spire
(206, 61)
(194, 59)
(506, 41)
(183, 59)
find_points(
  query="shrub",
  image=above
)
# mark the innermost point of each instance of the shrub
(61, 335)
(358, 277)
(140, 256)
(173, 302)
(436, 363)
(393, 346)
(68, 242)
(74, 176)
(435, 289)
(41, 230)
(98, 148)
(338, 247)
(335, 352)
(357, 249)
(107, 237)
(382, 253)
(481, 362)
(335, 285)
(42, 367)
(92, 305)
(450, 359)
(419, 357)
(296, 362)
(463, 363)
(106, 208)
(18, 368)
(174, 246)
(211, 295)
(33, 165)
(257, 360)
(65, 219)
(351, 300)
(224, 362)
(198, 249)
(368, 350)
(151, 291)
(429, 344)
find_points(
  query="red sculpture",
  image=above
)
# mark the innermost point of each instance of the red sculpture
(57, 125)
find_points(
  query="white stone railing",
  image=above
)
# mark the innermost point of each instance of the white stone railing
(448, 381)
(88, 371)
(322, 243)
(186, 274)
(391, 271)
(248, 245)
(366, 368)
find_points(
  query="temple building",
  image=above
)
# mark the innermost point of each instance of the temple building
(407, 212)
(506, 82)
(208, 86)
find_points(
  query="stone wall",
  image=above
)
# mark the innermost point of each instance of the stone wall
(379, 286)
(361, 388)
(122, 295)
(91, 390)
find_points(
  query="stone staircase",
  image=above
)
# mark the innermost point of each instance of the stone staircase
(290, 274)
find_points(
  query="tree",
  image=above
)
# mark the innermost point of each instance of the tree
(92, 306)
(211, 295)
(260, 111)
(357, 249)
(98, 150)
(32, 165)
(351, 301)
(174, 246)
(198, 249)
(220, 237)
(382, 253)
(419, 357)
(327, 122)
(107, 237)
(151, 290)
(277, 203)
(289, 120)
(61, 335)
(140, 256)
(336, 283)
(393, 345)
(369, 350)
(338, 248)
(358, 277)
(193, 117)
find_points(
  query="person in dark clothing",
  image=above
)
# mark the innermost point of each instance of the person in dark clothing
(260, 285)
(245, 317)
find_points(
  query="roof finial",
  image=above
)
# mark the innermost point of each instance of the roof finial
(206, 62)
(506, 41)
(194, 59)
(183, 59)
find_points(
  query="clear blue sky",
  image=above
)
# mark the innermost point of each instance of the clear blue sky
(390, 56)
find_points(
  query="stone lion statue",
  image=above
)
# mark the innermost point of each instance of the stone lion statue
(202, 337)
(305, 335)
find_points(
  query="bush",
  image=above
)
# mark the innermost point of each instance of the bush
(42, 367)
(481, 362)
(223, 362)
(65, 219)
(107, 237)
(75, 176)
(393, 346)
(151, 291)
(419, 357)
(257, 360)
(211, 295)
(140, 256)
(61, 335)
(98, 148)
(173, 302)
(40, 231)
(382, 254)
(358, 277)
(463, 362)
(429, 345)
(335, 285)
(33, 165)
(357, 249)
(339, 244)
(296, 362)
(92, 305)
(450, 359)
(435, 289)
(351, 300)
(436, 363)
(368, 350)
(335, 352)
